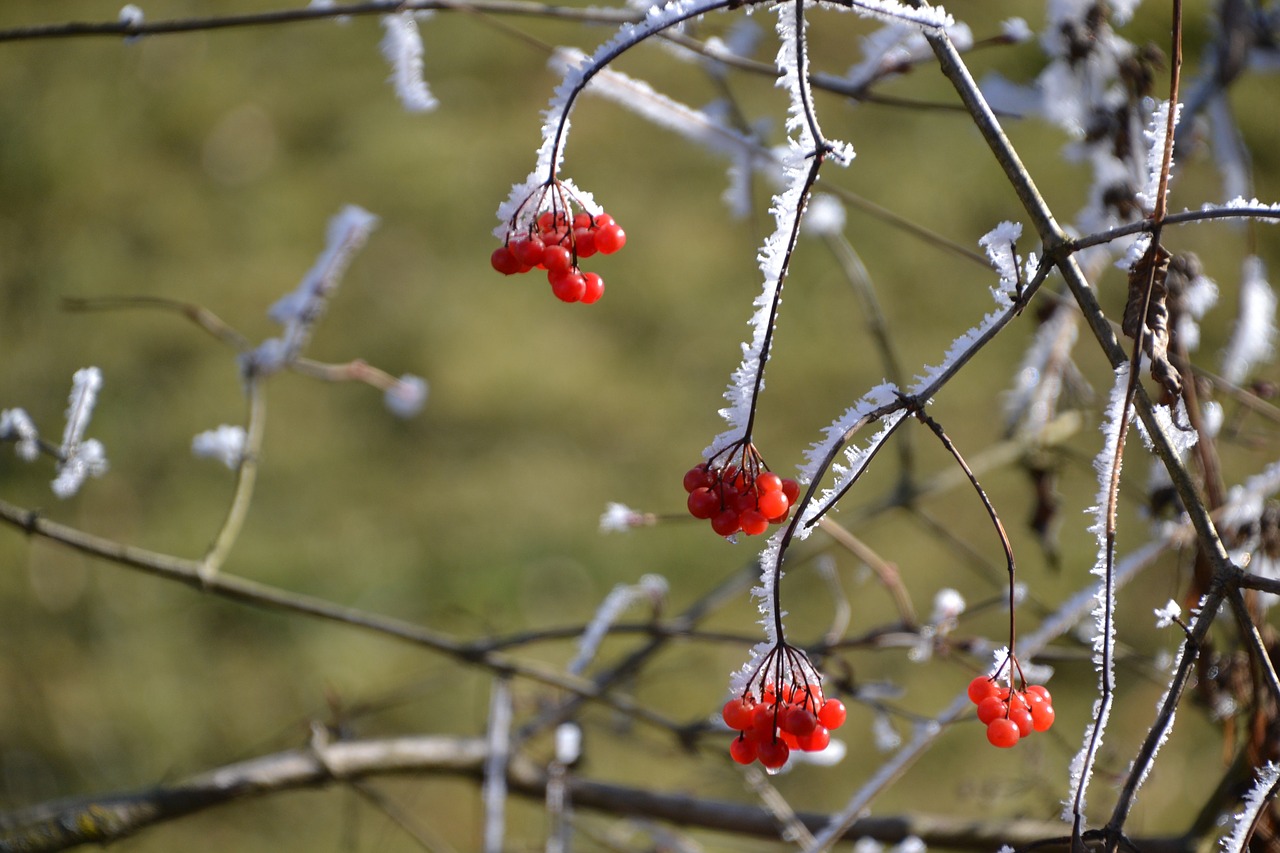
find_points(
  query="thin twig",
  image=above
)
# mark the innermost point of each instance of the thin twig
(262, 595)
(246, 477)
(885, 571)
(110, 817)
(132, 29)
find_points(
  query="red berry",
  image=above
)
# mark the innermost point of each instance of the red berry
(610, 239)
(742, 750)
(763, 723)
(1042, 716)
(832, 714)
(737, 714)
(753, 523)
(791, 489)
(582, 220)
(557, 259)
(773, 504)
(816, 740)
(797, 720)
(602, 220)
(698, 476)
(1039, 689)
(980, 688)
(568, 286)
(768, 482)
(1002, 733)
(726, 523)
(595, 288)
(528, 252)
(773, 754)
(703, 503)
(584, 242)
(1022, 719)
(991, 708)
(505, 262)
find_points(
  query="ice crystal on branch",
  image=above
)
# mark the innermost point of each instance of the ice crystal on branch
(1264, 788)
(1168, 615)
(406, 396)
(80, 458)
(702, 127)
(16, 426)
(402, 46)
(1107, 464)
(998, 243)
(225, 444)
(651, 588)
(1253, 338)
(299, 310)
(1156, 136)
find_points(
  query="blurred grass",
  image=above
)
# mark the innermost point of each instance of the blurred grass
(204, 167)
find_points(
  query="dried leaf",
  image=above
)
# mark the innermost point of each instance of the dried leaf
(1146, 315)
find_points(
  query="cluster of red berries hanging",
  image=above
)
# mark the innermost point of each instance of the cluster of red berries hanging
(555, 241)
(1011, 715)
(769, 729)
(739, 499)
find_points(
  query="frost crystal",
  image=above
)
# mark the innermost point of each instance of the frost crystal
(1167, 615)
(998, 243)
(1156, 137)
(706, 127)
(402, 46)
(1253, 338)
(299, 310)
(947, 606)
(80, 459)
(1262, 790)
(652, 588)
(1107, 466)
(1016, 30)
(16, 426)
(225, 444)
(620, 518)
(407, 397)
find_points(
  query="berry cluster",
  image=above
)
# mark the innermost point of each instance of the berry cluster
(555, 241)
(736, 498)
(1008, 714)
(797, 717)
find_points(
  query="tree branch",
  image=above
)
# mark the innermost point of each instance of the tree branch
(111, 817)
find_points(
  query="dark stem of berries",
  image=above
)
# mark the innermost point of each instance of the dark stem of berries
(641, 34)
(937, 430)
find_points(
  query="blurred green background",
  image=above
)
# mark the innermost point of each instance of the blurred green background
(204, 167)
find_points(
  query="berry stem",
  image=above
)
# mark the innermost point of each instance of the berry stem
(639, 33)
(937, 429)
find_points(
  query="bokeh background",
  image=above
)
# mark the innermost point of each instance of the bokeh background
(204, 167)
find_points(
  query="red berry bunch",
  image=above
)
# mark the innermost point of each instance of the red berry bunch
(737, 498)
(1011, 715)
(769, 729)
(555, 240)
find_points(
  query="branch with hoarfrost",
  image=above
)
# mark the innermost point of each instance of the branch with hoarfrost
(111, 817)
(1263, 791)
(1060, 622)
(80, 458)
(402, 46)
(299, 311)
(134, 28)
